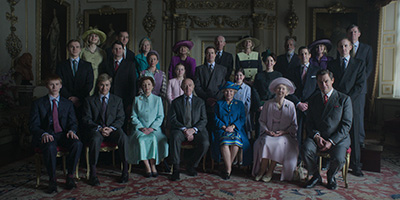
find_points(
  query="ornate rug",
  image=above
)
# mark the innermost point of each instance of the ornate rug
(18, 180)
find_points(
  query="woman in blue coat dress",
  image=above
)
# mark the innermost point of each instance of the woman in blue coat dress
(229, 134)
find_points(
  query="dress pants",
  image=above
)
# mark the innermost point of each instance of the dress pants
(175, 142)
(49, 150)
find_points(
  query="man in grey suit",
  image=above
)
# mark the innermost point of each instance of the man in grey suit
(350, 77)
(328, 124)
(363, 52)
(188, 120)
(104, 117)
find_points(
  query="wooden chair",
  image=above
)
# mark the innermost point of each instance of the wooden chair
(345, 168)
(61, 153)
(191, 145)
(105, 147)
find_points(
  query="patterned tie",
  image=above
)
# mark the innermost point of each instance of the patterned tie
(344, 63)
(56, 124)
(325, 99)
(188, 113)
(303, 74)
(103, 111)
(75, 66)
(116, 65)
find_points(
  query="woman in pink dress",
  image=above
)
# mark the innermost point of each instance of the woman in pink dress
(174, 85)
(278, 127)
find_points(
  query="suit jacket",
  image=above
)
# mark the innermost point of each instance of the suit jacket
(176, 114)
(285, 67)
(333, 120)
(225, 60)
(124, 80)
(352, 80)
(207, 84)
(303, 91)
(115, 114)
(41, 118)
(129, 54)
(79, 85)
(364, 53)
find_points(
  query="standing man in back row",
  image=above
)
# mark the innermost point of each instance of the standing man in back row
(222, 57)
(363, 52)
(123, 37)
(286, 62)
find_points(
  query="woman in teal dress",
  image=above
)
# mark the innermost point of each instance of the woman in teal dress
(147, 143)
(229, 134)
(141, 59)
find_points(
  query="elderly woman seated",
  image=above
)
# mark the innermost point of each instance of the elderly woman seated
(277, 142)
(229, 134)
(147, 143)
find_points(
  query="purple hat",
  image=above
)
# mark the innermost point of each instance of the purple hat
(187, 43)
(325, 42)
(283, 81)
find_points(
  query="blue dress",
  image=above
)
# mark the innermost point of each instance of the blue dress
(224, 116)
(147, 113)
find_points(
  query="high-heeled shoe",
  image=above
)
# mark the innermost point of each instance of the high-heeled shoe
(147, 174)
(266, 178)
(258, 177)
(154, 174)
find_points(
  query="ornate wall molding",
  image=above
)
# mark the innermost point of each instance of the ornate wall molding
(259, 20)
(149, 22)
(291, 19)
(337, 8)
(219, 21)
(13, 43)
(107, 10)
(180, 20)
(267, 4)
(271, 22)
(201, 4)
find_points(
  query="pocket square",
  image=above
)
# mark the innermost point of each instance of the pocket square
(313, 76)
(336, 106)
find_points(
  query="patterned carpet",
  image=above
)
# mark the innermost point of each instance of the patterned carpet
(17, 181)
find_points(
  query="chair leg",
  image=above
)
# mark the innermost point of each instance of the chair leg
(77, 170)
(346, 170)
(129, 168)
(113, 157)
(320, 164)
(204, 162)
(38, 162)
(64, 165)
(87, 163)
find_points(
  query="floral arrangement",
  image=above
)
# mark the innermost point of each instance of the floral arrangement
(7, 90)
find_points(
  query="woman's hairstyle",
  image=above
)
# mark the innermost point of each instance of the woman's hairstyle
(176, 69)
(152, 53)
(240, 69)
(146, 78)
(88, 39)
(141, 44)
(273, 55)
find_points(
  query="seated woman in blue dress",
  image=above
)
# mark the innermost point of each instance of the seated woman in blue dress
(229, 134)
(147, 143)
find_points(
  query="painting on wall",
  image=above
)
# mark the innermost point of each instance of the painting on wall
(52, 24)
(111, 21)
(331, 23)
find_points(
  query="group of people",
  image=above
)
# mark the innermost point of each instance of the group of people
(258, 119)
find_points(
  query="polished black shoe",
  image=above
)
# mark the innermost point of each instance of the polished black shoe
(147, 174)
(94, 181)
(175, 176)
(358, 173)
(331, 183)
(52, 187)
(124, 178)
(70, 183)
(315, 180)
(191, 171)
(225, 175)
(154, 174)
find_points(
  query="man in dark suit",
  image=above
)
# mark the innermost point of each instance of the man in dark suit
(77, 77)
(349, 76)
(363, 52)
(286, 62)
(104, 117)
(123, 37)
(188, 120)
(123, 73)
(223, 58)
(304, 78)
(53, 123)
(328, 124)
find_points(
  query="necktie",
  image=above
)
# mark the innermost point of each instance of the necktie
(303, 74)
(355, 48)
(75, 66)
(116, 65)
(344, 63)
(188, 113)
(210, 68)
(219, 54)
(103, 111)
(56, 124)
(325, 99)
(289, 57)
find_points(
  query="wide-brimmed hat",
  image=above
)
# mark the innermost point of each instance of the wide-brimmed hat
(230, 85)
(283, 81)
(187, 43)
(101, 34)
(255, 41)
(325, 42)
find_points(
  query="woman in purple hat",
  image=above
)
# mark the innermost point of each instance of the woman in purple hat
(278, 127)
(182, 49)
(319, 50)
